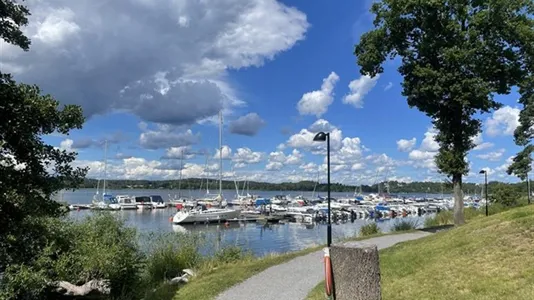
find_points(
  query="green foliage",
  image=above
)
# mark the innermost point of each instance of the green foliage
(171, 253)
(444, 217)
(369, 229)
(31, 170)
(100, 247)
(505, 195)
(455, 57)
(522, 163)
(405, 225)
(229, 254)
(13, 16)
(24, 283)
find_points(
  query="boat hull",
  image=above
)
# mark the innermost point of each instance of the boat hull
(183, 217)
(127, 206)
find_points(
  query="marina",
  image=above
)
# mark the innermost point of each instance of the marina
(270, 227)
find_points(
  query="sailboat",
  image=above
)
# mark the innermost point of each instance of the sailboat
(215, 199)
(242, 198)
(209, 215)
(104, 201)
(179, 200)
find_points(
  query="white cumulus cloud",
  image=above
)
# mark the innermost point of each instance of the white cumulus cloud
(503, 121)
(359, 88)
(317, 102)
(424, 156)
(226, 152)
(492, 156)
(406, 145)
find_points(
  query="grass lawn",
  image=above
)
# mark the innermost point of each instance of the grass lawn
(212, 282)
(488, 258)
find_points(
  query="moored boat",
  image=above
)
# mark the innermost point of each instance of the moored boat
(157, 201)
(106, 202)
(209, 215)
(143, 202)
(126, 202)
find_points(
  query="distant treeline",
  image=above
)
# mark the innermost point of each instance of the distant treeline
(197, 183)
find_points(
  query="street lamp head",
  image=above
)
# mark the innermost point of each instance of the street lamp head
(482, 172)
(320, 137)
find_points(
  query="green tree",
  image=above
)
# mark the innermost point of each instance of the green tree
(505, 194)
(31, 171)
(522, 163)
(456, 55)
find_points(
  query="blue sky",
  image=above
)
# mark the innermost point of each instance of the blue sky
(151, 79)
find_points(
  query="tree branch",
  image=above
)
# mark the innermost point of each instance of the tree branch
(94, 286)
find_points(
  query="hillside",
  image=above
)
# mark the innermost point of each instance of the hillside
(488, 258)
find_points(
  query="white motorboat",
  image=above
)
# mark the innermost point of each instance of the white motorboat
(143, 202)
(106, 202)
(279, 199)
(157, 202)
(126, 202)
(209, 215)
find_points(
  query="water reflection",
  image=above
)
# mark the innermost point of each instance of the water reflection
(259, 239)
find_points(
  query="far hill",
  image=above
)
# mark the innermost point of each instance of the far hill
(395, 187)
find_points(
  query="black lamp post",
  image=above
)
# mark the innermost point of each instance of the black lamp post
(528, 189)
(321, 137)
(486, 184)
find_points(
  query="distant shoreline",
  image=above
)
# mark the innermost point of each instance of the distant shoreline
(395, 187)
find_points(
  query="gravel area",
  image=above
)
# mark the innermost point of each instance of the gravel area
(294, 279)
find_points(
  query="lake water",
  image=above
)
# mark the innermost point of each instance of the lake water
(255, 237)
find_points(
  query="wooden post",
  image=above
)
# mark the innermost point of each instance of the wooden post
(356, 271)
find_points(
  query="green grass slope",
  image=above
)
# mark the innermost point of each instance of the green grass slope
(488, 258)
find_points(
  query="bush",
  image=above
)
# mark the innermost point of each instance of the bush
(504, 194)
(369, 229)
(444, 217)
(100, 247)
(229, 254)
(169, 254)
(405, 225)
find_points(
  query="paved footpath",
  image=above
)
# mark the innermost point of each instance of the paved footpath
(294, 279)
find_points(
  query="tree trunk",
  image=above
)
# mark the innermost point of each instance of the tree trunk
(356, 272)
(458, 199)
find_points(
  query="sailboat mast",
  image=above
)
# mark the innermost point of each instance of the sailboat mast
(220, 151)
(105, 167)
(180, 180)
(207, 177)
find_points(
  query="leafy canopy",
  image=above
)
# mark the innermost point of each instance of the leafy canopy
(32, 171)
(456, 54)
(524, 133)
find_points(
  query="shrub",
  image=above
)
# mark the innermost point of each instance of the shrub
(100, 247)
(169, 254)
(431, 222)
(504, 194)
(405, 225)
(444, 217)
(369, 229)
(229, 254)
